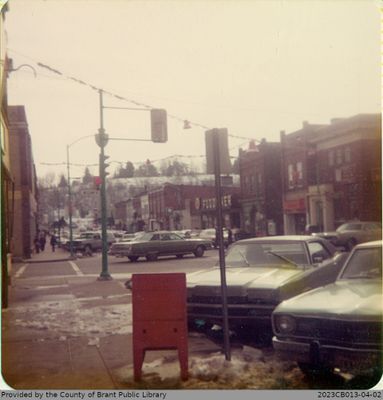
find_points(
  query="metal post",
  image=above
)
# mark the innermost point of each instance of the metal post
(218, 197)
(102, 143)
(69, 205)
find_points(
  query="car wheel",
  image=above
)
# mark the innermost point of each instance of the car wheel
(199, 251)
(350, 244)
(314, 370)
(88, 250)
(179, 255)
(152, 257)
(133, 258)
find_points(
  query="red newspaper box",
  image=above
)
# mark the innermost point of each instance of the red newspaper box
(159, 317)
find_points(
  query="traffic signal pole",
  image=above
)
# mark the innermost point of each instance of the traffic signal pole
(159, 135)
(102, 140)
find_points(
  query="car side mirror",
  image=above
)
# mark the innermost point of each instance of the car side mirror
(318, 259)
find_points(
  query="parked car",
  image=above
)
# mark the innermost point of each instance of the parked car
(160, 243)
(210, 234)
(339, 325)
(90, 241)
(260, 273)
(352, 233)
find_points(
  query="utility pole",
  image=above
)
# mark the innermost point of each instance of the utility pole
(102, 140)
(69, 204)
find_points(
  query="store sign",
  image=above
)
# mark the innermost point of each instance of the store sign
(294, 206)
(210, 204)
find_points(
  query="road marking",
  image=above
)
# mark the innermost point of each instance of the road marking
(21, 270)
(76, 268)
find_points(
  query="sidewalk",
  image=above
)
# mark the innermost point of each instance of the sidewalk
(63, 331)
(48, 256)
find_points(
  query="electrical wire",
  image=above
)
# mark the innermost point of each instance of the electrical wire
(56, 71)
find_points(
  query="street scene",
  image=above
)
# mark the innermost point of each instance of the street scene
(191, 196)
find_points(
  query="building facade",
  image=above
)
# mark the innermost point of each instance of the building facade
(331, 174)
(25, 188)
(192, 207)
(261, 189)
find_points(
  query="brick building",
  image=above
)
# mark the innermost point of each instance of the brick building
(344, 180)
(191, 206)
(25, 192)
(332, 173)
(261, 189)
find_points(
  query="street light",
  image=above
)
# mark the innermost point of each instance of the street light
(70, 193)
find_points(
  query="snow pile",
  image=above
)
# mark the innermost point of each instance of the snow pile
(248, 368)
(70, 319)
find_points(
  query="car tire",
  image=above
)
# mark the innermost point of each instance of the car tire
(179, 255)
(314, 371)
(133, 258)
(88, 250)
(350, 244)
(152, 256)
(199, 251)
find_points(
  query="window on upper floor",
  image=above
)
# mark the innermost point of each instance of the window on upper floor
(339, 156)
(331, 158)
(347, 154)
(295, 174)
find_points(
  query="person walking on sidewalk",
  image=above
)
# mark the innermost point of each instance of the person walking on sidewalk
(53, 242)
(37, 245)
(42, 242)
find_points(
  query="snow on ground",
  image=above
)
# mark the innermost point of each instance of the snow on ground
(71, 318)
(247, 369)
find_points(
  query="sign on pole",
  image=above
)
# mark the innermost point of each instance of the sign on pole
(223, 151)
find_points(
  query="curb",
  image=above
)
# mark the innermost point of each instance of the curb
(48, 261)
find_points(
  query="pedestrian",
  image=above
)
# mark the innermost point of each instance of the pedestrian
(42, 242)
(37, 245)
(53, 242)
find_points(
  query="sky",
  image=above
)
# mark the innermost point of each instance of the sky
(253, 67)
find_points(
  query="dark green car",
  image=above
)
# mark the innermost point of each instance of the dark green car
(152, 245)
(338, 325)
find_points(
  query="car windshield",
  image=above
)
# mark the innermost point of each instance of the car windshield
(365, 263)
(253, 254)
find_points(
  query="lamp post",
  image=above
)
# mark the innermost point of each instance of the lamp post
(102, 140)
(70, 193)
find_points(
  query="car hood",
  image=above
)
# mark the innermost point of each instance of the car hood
(258, 277)
(346, 298)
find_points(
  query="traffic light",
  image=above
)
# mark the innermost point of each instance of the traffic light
(159, 125)
(97, 182)
(103, 166)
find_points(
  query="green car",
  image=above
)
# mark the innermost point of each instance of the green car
(338, 325)
(260, 273)
(152, 245)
